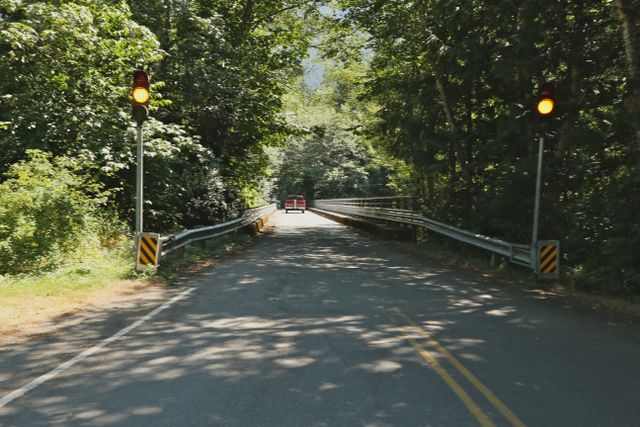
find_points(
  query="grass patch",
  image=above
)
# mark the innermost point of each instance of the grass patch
(85, 278)
(99, 277)
(101, 268)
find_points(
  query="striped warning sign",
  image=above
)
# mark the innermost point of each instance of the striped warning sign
(549, 259)
(148, 251)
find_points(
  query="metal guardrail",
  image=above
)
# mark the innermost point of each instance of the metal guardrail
(393, 209)
(184, 238)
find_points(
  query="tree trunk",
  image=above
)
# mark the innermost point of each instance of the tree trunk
(168, 37)
(574, 99)
(455, 150)
(245, 23)
(629, 37)
(452, 145)
(627, 19)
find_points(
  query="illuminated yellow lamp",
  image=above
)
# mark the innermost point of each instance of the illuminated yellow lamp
(140, 95)
(546, 106)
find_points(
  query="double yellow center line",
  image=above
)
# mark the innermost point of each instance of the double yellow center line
(471, 405)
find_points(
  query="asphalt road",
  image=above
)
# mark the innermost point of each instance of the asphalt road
(316, 325)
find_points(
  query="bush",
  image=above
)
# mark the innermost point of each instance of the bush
(45, 213)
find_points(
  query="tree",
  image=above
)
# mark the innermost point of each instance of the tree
(455, 82)
(228, 64)
(328, 157)
(66, 75)
(45, 212)
(630, 31)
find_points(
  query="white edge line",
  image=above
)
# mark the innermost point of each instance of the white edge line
(80, 357)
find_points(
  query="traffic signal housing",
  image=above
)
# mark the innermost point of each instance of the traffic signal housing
(140, 96)
(546, 105)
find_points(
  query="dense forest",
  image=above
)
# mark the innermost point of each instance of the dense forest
(433, 99)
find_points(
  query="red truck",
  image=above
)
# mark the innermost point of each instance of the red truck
(295, 203)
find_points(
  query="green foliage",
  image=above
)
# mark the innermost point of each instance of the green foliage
(228, 64)
(326, 164)
(183, 186)
(66, 70)
(328, 158)
(456, 82)
(45, 213)
(431, 98)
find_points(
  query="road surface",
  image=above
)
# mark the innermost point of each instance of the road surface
(317, 325)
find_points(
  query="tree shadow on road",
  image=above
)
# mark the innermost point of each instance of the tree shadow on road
(301, 330)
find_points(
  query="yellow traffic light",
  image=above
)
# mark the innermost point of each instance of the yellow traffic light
(546, 106)
(140, 95)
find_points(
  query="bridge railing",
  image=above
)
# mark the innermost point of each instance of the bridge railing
(174, 242)
(400, 210)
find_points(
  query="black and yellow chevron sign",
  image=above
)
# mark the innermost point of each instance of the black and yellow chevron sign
(148, 250)
(549, 259)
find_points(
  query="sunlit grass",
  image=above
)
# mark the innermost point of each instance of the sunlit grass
(83, 270)
(97, 276)
(85, 277)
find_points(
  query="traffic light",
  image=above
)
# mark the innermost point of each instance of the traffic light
(546, 101)
(140, 96)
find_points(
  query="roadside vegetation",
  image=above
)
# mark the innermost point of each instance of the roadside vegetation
(87, 278)
(100, 277)
(430, 99)
(67, 148)
(453, 87)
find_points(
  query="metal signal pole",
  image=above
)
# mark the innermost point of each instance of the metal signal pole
(139, 183)
(536, 209)
(546, 109)
(140, 99)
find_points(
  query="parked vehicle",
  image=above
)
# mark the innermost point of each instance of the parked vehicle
(295, 202)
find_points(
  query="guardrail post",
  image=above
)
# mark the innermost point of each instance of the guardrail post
(548, 259)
